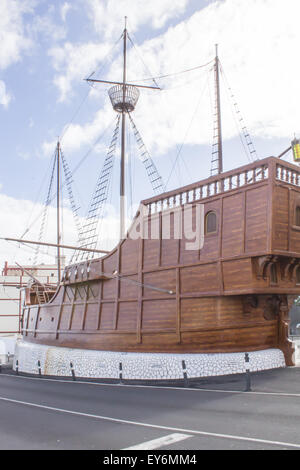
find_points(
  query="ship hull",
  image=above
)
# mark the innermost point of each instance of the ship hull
(212, 325)
(155, 295)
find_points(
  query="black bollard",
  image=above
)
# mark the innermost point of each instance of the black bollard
(185, 378)
(120, 373)
(17, 367)
(39, 367)
(72, 371)
(248, 376)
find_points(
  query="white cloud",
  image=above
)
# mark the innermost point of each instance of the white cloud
(74, 136)
(108, 16)
(15, 218)
(5, 97)
(15, 215)
(46, 25)
(258, 48)
(20, 31)
(77, 61)
(13, 38)
(65, 8)
(24, 155)
(108, 20)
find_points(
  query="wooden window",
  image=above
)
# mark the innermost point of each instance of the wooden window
(297, 216)
(273, 274)
(211, 222)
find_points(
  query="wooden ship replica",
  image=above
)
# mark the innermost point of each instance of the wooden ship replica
(152, 294)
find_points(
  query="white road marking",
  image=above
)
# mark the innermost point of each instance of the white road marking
(154, 426)
(160, 442)
(159, 387)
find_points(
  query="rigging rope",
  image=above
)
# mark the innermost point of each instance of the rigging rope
(130, 176)
(153, 175)
(186, 134)
(89, 235)
(155, 178)
(151, 78)
(176, 73)
(65, 130)
(217, 135)
(45, 210)
(239, 121)
(88, 92)
(85, 97)
(74, 208)
(142, 60)
(30, 247)
(74, 170)
(39, 193)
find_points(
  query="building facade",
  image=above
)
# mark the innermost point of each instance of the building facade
(13, 280)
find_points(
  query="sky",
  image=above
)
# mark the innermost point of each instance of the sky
(49, 48)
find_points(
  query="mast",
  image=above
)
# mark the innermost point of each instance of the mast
(58, 211)
(218, 106)
(124, 97)
(123, 141)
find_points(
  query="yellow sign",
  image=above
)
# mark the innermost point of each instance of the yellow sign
(296, 150)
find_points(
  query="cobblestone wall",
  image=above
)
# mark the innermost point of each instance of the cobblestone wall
(138, 366)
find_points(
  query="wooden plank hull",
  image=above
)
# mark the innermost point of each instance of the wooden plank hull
(206, 325)
(153, 294)
(225, 341)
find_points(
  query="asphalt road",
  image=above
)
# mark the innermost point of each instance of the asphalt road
(39, 414)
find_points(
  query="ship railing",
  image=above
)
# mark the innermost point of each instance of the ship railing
(288, 174)
(213, 186)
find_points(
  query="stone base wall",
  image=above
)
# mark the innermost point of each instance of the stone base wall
(296, 345)
(7, 348)
(138, 366)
